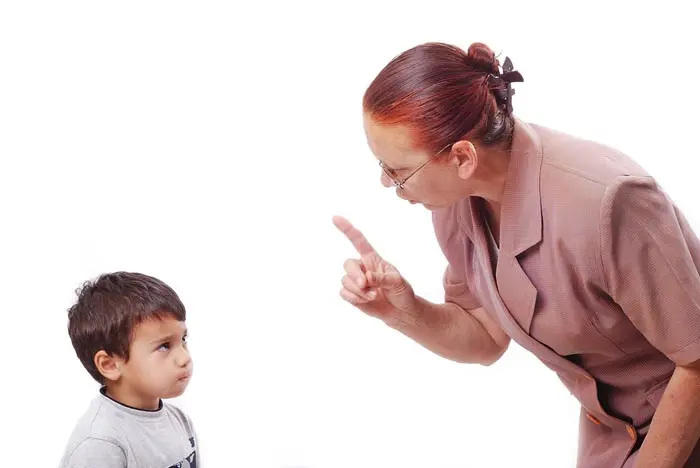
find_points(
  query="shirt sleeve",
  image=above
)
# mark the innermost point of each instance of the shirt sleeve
(456, 246)
(96, 453)
(197, 456)
(457, 290)
(650, 259)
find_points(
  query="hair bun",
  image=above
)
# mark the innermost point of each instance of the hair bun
(482, 58)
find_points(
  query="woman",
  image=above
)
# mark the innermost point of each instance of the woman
(564, 245)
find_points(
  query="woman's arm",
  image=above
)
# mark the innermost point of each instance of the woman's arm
(459, 329)
(675, 428)
(650, 257)
(448, 330)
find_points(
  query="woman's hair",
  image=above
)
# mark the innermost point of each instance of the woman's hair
(443, 94)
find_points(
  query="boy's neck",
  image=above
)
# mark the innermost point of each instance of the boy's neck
(132, 399)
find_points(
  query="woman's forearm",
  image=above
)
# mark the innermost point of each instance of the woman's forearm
(453, 333)
(675, 428)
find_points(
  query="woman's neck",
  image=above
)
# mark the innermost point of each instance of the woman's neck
(491, 175)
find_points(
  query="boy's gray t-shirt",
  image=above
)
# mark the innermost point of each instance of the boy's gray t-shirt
(112, 435)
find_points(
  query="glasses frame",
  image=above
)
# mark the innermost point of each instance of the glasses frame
(399, 183)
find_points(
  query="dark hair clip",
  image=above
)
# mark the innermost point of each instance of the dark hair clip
(508, 75)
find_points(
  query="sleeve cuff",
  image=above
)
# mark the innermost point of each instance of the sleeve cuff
(687, 354)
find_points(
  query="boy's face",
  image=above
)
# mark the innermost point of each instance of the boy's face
(159, 364)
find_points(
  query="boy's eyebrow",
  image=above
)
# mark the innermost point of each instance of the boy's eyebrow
(168, 337)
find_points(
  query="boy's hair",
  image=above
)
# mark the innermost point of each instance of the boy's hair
(108, 309)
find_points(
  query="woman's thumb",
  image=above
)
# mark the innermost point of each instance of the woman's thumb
(380, 279)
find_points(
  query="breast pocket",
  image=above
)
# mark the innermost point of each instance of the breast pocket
(565, 316)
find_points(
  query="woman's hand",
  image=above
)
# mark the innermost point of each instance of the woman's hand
(376, 287)
(372, 284)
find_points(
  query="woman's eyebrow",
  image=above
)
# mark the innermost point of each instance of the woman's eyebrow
(392, 168)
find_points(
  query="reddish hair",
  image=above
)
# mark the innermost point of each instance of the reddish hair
(442, 94)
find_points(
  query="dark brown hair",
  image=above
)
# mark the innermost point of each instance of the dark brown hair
(442, 94)
(108, 309)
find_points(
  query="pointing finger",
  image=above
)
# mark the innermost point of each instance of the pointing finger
(359, 241)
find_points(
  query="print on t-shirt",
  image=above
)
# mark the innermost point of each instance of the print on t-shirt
(190, 461)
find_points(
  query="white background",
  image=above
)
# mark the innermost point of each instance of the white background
(210, 144)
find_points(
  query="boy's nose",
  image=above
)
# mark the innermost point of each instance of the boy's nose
(183, 358)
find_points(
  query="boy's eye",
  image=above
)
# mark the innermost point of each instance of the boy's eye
(164, 346)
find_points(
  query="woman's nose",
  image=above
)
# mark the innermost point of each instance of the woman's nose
(385, 180)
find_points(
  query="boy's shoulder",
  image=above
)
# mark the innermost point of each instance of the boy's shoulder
(179, 415)
(113, 430)
(99, 421)
(95, 432)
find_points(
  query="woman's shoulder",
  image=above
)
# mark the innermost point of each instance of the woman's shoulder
(576, 158)
(577, 173)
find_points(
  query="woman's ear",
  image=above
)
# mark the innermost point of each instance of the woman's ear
(466, 158)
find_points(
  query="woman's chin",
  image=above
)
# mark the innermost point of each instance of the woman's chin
(427, 206)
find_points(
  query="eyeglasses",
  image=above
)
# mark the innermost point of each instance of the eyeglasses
(399, 183)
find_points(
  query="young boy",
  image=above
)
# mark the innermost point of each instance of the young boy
(128, 330)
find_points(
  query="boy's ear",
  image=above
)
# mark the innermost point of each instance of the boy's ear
(108, 365)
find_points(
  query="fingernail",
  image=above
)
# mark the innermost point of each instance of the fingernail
(372, 295)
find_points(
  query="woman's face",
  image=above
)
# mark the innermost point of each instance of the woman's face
(419, 177)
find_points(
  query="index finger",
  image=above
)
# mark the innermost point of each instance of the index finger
(359, 241)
